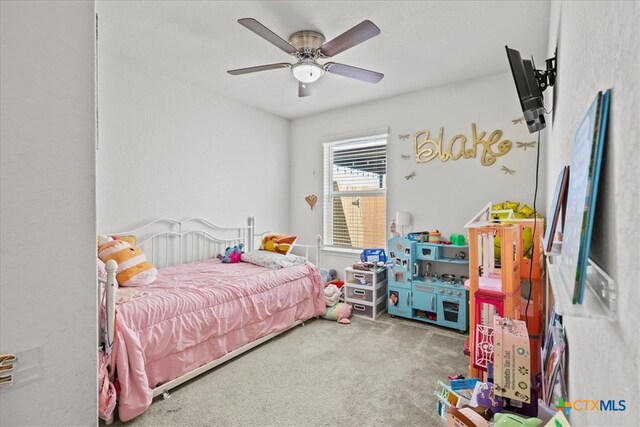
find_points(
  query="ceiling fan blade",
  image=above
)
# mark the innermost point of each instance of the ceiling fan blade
(303, 90)
(353, 72)
(354, 36)
(247, 70)
(267, 34)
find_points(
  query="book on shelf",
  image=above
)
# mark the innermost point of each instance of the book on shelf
(586, 161)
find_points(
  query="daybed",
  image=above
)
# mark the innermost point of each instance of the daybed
(199, 312)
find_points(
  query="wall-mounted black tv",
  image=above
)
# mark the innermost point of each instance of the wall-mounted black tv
(524, 76)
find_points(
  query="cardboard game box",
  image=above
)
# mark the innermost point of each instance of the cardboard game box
(512, 359)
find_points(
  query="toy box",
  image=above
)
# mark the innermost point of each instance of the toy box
(373, 255)
(511, 359)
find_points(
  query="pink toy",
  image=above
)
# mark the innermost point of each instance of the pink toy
(232, 255)
(340, 312)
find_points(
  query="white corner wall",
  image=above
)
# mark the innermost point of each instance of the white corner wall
(47, 222)
(443, 195)
(168, 148)
(598, 49)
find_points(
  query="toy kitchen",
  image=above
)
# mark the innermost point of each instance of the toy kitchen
(426, 281)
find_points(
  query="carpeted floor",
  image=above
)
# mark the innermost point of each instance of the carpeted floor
(323, 373)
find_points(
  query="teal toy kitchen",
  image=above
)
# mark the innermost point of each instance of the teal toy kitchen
(426, 282)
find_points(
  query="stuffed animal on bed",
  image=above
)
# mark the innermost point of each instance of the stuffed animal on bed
(340, 312)
(133, 267)
(232, 255)
(279, 243)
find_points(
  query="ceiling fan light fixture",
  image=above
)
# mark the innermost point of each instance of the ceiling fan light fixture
(307, 72)
(307, 47)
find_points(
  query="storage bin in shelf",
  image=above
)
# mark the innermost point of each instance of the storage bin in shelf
(600, 294)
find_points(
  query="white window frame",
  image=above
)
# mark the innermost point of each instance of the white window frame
(329, 194)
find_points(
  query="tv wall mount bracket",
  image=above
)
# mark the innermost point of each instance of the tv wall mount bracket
(547, 77)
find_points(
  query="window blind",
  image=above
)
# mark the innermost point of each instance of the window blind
(355, 182)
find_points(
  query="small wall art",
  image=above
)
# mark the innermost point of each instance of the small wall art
(525, 145)
(427, 147)
(508, 171)
(311, 199)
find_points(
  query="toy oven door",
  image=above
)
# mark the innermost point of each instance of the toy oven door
(451, 312)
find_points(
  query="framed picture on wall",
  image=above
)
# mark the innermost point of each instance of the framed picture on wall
(586, 158)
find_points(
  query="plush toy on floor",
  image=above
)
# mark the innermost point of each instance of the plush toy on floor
(340, 312)
(335, 310)
(232, 255)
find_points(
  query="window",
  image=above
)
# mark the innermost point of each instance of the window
(355, 192)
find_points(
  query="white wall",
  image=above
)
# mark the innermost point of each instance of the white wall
(47, 232)
(171, 149)
(599, 49)
(443, 195)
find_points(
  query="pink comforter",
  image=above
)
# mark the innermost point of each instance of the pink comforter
(195, 313)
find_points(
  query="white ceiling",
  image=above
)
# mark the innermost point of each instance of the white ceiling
(421, 45)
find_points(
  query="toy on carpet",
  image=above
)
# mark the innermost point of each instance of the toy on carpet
(232, 254)
(340, 312)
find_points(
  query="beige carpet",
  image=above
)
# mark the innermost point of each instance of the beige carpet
(323, 373)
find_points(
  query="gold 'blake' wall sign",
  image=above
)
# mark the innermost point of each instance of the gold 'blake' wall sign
(427, 149)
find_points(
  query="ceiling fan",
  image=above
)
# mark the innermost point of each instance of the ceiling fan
(309, 46)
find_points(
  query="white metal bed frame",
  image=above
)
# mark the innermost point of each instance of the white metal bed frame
(167, 242)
